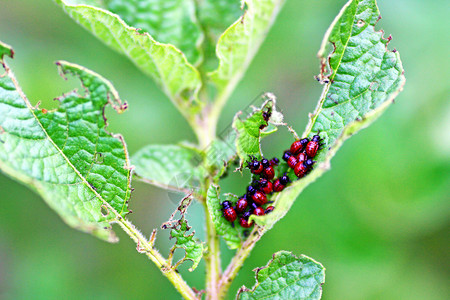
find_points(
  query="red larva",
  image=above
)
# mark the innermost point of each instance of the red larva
(259, 211)
(277, 186)
(265, 186)
(241, 204)
(298, 146)
(281, 183)
(269, 209)
(269, 173)
(228, 212)
(301, 169)
(255, 166)
(292, 161)
(245, 223)
(313, 146)
(259, 198)
(301, 157)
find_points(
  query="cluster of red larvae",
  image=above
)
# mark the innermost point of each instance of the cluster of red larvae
(298, 157)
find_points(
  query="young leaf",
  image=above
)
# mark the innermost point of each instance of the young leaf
(287, 276)
(240, 42)
(193, 247)
(216, 16)
(363, 81)
(167, 21)
(166, 64)
(66, 155)
(169, 166)
(253, 128)
(233, 236)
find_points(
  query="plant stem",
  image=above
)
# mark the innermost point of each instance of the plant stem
(147, 247)
(212, 258)
(237, 261)
(206, 134)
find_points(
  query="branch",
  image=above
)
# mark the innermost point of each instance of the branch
(238, 260)
(147, 247)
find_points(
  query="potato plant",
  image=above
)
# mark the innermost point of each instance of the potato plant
(197, 52)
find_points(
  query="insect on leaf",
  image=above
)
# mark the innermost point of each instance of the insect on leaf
(255, 126)
(363, 79)
(233, 236)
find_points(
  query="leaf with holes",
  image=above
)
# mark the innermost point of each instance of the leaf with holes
(165, 63)
(287, 276)
(259, 123)
(170, 167)
(179, 229)
(364, 78)
(66, 155)
(240, 42)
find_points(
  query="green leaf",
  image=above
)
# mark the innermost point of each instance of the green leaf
(363, 81)
(179, 229)
(216, 16)
(169, 166)
(233, 236)
(240, 42)
(67, 155)
(287, 276)
(167, 21)
(166, 64)
(254, 127)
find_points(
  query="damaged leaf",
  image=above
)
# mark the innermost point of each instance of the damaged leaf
(287, 276)
(259, 123)
(364, 78)
(66, 155)
(179, 230)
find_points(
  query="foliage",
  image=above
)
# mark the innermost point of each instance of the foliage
(66, 155)
(83, 171)
(179, 230)
(287, 277)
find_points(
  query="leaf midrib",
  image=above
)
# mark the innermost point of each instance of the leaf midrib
(30, 108)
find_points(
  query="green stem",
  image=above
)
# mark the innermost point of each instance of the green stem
(212, 258)
(237, 261)
(147, 247)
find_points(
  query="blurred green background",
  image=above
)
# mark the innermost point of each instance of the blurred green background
(378, 221)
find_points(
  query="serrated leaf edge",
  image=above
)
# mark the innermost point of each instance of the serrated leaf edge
(130, 28)
(257, 270)
(112, 237)
(348, 131)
